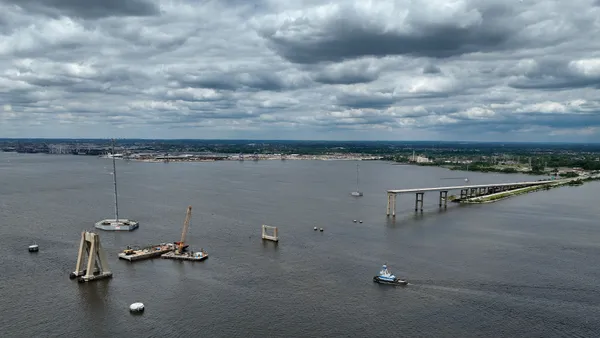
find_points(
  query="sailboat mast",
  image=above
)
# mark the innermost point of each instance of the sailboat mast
(357, 177)
(115, 181)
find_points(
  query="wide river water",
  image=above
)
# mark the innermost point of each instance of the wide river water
(521, 267)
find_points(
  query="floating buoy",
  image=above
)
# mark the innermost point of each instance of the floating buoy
(315, 228)
(34, 248)
(136, 307)
(360, 221)
(321, 229)
(354, 221)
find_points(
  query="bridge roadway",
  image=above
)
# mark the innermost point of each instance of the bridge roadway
(466, 191)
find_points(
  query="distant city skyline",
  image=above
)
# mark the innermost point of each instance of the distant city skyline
(394, 70)
(427, 143)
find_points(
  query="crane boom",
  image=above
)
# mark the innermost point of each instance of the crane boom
(186, 225)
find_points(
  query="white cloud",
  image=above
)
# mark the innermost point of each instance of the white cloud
(344, 69)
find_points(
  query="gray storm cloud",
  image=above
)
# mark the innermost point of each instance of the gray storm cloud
(345, 69)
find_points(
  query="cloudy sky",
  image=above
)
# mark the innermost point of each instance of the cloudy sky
(509, 70)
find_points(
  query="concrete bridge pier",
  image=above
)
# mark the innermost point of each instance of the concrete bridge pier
(97, 263)
(391, 205)
(472, 192)
(419, 201)
(444, 198)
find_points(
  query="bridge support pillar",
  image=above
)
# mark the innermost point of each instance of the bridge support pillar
(97, 263)
(391, 205)
(419, 201)
(444, 198)
(463, 194)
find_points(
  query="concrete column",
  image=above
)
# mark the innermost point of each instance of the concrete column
(78, 270)
(463, 193)
(444, 198)
(389, 204)
(419, 201)
(91, 264)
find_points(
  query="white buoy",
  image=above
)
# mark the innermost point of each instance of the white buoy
(136, 307)
(33, 248)
(360, 221)
(315, 228)
(354, 221)
(321, 229)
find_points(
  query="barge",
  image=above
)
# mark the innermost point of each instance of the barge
(186, 256)
(152, 251)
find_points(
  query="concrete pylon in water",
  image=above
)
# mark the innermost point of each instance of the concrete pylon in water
(97, 264)
(265, 233)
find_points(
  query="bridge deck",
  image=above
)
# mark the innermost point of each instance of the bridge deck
(401, 191)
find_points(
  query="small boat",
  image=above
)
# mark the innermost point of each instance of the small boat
(386, 277)
(34, 248)
(200, 256)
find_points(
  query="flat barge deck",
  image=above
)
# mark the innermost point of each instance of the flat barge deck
(147, 252)
(186, 256)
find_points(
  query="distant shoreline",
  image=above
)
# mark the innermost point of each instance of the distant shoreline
(215, 157)
(563, 172)
(235, 158)
(158, 158)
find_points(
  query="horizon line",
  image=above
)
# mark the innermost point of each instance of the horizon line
(292, 140)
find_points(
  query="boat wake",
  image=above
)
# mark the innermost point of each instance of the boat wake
(553, 295)
(483, 286)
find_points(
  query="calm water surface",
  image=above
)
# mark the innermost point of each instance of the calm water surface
(522, 267)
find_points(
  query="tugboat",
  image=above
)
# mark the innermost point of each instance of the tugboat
(385, 277)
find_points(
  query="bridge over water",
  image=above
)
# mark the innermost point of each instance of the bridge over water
(466, 191)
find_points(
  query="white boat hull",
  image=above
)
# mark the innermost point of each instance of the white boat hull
(395, 281)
